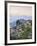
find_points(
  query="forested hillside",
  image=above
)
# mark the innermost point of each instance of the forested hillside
(22, 30)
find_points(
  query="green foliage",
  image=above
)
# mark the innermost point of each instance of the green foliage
(25, 33)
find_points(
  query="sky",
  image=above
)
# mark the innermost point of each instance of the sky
(14, 18)
(20, 10)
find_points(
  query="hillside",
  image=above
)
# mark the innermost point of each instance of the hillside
(22, 29)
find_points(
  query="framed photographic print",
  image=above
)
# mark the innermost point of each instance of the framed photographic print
(20, 22)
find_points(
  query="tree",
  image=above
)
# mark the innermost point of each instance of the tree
(17, 22)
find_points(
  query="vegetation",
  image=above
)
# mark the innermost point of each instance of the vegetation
(23, 30)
